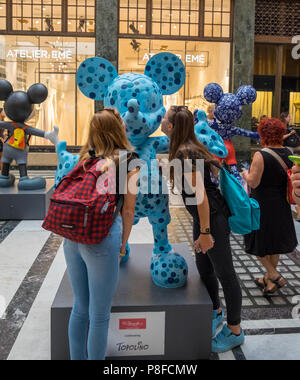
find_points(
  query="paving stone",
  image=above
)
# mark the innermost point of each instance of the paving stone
(244, 257)
(294, 268)
(254, 270)
(249, 264)
(278, 301)
(288, 262)
(245, 277)
(294, 283)
(261, 301)
(241, 253)
(289, 276)
(249, 284)
(247, 302)
(287, 291)
(283, 269)
(240, 270)
(255, 292)
(237, 264)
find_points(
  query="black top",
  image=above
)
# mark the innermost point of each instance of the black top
(217, 202)
(122, 177)
(274, 178)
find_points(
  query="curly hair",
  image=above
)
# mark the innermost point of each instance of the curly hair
(271, 131)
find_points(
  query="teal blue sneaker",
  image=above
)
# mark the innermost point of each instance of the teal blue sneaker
(226, 341)
(217, 321)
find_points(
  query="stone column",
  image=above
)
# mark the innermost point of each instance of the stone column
(107, 34)
(243, 65)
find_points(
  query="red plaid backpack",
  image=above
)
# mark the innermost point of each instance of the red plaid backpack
(82, 206)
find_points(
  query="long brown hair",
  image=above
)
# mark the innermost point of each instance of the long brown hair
(106, 135)
(184, 142)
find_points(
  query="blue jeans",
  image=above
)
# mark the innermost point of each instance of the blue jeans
(93, 272)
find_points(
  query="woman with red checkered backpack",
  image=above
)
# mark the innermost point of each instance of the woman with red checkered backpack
(85, 208)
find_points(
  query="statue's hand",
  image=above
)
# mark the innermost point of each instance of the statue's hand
(53, 136)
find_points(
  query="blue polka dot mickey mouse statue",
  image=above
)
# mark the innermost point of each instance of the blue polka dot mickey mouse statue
(18, 108)
(139, 99)
(228, 110)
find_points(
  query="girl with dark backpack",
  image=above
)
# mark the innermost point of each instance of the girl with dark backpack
(77, 206)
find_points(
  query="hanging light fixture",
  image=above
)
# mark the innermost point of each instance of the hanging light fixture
(81, 24)
(135, 45)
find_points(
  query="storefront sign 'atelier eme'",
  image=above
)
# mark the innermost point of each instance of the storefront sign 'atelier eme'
(200, 58)
(39, 54)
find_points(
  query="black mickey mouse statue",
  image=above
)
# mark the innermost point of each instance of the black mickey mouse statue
(18, 107)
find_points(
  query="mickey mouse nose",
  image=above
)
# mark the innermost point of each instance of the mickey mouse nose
(133, 106)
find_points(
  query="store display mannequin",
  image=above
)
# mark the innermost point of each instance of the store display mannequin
(18, 108)
(229, 110)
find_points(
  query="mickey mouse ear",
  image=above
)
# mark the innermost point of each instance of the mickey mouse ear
(5, 89)
(37, 93)
(168, 71)
(246, 95)
(213, 92)
(94, 76)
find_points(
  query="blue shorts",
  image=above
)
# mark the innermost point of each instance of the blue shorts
(10, 154)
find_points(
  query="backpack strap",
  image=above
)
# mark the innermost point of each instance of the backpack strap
(119, 207)
(216, 164)
(277, 157)
(24, 128)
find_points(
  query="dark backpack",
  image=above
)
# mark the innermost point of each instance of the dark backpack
(82, 208)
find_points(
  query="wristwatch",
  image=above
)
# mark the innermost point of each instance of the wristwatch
(205, 231)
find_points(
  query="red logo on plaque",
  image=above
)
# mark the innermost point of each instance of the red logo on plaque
(132, 324)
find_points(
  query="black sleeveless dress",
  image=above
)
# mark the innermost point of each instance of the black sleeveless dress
(277, 233)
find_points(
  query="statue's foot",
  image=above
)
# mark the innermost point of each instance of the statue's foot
(27, 183)
(169, 270)
(7, 181)
(126, 257)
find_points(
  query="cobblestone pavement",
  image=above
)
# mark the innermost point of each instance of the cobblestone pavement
(255, 306)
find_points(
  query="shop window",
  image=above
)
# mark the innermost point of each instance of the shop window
(295, 108)
(217, 18)
(2, 15)
(81, 16)
(175, 18)
(132, 14)
(37, 15)
(201, 60)
(52, 61)
(263, 105)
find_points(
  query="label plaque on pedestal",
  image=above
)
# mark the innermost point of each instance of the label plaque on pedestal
(148, 322)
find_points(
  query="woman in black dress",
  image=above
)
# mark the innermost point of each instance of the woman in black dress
(268, 179)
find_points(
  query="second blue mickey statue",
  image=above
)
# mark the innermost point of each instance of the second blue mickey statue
(229, 110)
